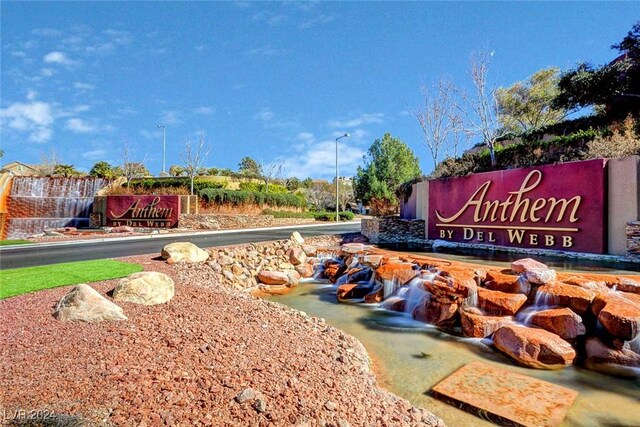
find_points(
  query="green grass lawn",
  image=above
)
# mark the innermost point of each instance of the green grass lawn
(13, 242)
(30, 279)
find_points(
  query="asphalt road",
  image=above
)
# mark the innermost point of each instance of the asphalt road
(52, 253)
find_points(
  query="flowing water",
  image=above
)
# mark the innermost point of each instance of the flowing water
(411, 357)
(36, 203)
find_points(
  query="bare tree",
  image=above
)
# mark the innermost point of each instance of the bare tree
(439, 118)
(194, 156)
(319, 195)
(131, 168)
(482, 112)
(48, 163)
(270, 173)
(345, 195)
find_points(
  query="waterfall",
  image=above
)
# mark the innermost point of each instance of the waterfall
(36, 203)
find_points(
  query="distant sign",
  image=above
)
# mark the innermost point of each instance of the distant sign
(143, 211)
(557, 207)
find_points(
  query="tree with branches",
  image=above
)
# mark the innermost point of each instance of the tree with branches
(482, 113)
(194, 156)
(439, 119)
(130, 168)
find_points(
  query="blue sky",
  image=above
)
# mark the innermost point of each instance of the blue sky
(277, 81)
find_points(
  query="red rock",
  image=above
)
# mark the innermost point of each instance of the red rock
(352, 291)
(508, 283)
(561, 321)
(403, 272)
(475, 324)
(625, 284)
(375, 296)
(305, 270)
(620, 315)
(500, 303)
(592, 285)
(273, 277)
(560, 294)
(122, 229)
(352, 248)
(540, 277)
(436, 312)
(333, 270)
(451, 287)
(621, 362)
(296, 255)
(524, 264)
(535, 348)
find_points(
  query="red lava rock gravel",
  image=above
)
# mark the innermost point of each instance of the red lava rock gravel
(190, 362)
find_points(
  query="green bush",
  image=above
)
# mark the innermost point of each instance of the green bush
(331, 216)
(288, 214)
(347, 216)
(242, 197)
(256, 186)
(250, 186)
(154, 184)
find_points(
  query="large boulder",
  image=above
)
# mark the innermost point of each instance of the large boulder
(375, 296)
(85, 304)
(614, 361)
(359, 274)
(403, 272)
(352, 248)
(475, 324)
(500, 303)
(541, 276)
(145, 287)
(524, 264)
(450, 288)
(435, 312)
(561, 321)
(333, 269)
(352, 291)
(626, 284)
(508, 283)
(269, 277)
(535, 348)
(619, 314)
(305, 270)
(563, 295)
(183, 252)
(296, 238)
(309, 250)
(296, 255)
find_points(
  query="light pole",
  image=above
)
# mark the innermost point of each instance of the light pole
(346, 135)
(164, 147)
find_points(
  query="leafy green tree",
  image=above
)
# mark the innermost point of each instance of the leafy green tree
(293, 184)
(307, 182)
(65, 170)
(388, 163)
(102, 170)
(176, 170)
(526, 105)
(613, 88)
(249, 167)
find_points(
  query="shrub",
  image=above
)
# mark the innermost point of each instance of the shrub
(622, 142)
(163, 186)
(242, 197)
(347, 216)
(288, 214)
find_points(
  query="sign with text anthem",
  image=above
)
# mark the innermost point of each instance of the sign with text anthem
(143, 211)
(558, 207)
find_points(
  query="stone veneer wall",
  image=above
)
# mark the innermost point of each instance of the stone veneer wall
(633, 238)
(394, 230)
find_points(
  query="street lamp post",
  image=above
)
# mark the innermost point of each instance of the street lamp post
(164, 147)
(346, 135)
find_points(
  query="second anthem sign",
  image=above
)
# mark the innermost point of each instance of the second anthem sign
(558, 207)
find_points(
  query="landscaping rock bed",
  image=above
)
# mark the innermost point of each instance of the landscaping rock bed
(212, 355)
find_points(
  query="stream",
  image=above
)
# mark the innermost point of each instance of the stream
(410, 357)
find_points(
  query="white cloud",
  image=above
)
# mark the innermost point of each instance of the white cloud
(47, 72)
(204, 110)
(319, 20)
(83, 86)
(118, 37)
(265, 51)
(31, 94)
(318, 159)
(80, 126)
(94, 154)
(34, 118)
(19, 54)
(363, 119)
(170, 117)
(151, 134)
(356, 134)
(57, 58)
(46, 32)
(264, 115)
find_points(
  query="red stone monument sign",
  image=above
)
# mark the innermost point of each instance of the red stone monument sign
(143, 211)
(559, 207)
